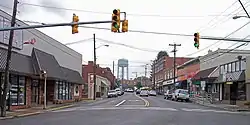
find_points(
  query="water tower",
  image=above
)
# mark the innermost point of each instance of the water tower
(122, 64)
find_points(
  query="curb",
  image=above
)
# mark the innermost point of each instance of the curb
(36, 113)
(61, 107)
(227, 109)
(5, 118)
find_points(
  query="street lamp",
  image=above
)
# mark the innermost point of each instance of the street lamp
(43, 74)
(106, 45)
(237, 17)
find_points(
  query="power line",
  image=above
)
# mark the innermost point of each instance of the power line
(214, 25)
(224, 37)
(129, 46)
(130, 14)
(80, 41)
(217, 16)
(228, 50)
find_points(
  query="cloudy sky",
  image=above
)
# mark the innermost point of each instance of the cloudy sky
(209, 17)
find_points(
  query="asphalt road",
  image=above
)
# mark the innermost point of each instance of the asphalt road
(130, 109)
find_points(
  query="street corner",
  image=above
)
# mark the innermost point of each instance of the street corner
(60, 107)
(7, 117)
(29, 114)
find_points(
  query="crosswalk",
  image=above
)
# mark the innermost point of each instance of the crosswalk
(144, 108)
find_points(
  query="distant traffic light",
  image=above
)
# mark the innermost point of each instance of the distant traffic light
(125, 26)
(197, 40)
(75, 26)
(115, 20)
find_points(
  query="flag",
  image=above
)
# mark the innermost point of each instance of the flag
(32, 41)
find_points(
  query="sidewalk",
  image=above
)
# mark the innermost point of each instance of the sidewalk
(39, 109)
(234, 108)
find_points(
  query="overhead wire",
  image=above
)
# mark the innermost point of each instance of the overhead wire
(98, 12)
(227, 50)
(219, 41)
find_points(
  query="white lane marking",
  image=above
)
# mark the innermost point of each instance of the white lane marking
(120, 103)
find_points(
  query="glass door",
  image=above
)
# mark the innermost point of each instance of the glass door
(35, 92)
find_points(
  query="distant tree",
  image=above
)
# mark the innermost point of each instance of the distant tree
(162, 54)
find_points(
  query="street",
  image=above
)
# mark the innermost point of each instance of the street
(131, 109)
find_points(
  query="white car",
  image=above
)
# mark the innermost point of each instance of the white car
(119, 92)
(144, 93)
(112, 93)
(180, 94)
(152, 93)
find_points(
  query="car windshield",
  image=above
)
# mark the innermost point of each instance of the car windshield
(110, 91)
(184, 92)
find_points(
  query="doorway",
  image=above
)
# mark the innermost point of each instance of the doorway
(35, 92)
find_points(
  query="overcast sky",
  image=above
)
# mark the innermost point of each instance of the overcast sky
(175, 16)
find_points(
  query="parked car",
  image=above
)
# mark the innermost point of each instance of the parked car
(180, 94)
(112, 93)
(130, 90)
(118, 90)
(144, 93)
(138, 91)
(168, 94)
(152, 93)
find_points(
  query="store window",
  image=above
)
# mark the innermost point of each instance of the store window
(17, 90)
(233, 67)
(237, 66)
(63, 91)
(229, 67)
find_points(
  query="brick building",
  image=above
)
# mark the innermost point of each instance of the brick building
(164, 69)
(102, 73)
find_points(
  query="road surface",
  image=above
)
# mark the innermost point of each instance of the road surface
(131, 109)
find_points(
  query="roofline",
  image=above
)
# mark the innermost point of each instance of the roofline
(225, 51)
(40, 32)
(189, 61)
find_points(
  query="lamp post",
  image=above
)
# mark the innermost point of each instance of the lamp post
(94, 68)
(237, 17)
(43, 74)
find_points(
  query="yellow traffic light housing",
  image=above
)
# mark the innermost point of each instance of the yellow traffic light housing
(197, 40)
(115, 20)
(75, 26)
(125, 26)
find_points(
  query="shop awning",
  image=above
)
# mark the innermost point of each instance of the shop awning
(20, 64)
(204, 73)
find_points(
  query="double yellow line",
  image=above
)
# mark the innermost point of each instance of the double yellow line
(146, 102)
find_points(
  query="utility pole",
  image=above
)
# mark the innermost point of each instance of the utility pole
(94, 68)
(113, 74)
(154, 73)
(174, 58)
(7, 67)
(146, 70)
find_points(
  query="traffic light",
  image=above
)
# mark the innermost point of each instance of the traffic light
(75, 26)
(197, 40)
(115, 20)
(125, 26)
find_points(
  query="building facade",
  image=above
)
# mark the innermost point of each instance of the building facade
(222, 75)
(32, 53)
(105, 80)
(164, 70)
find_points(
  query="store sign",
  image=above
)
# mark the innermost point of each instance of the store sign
(4, 35)
(168, 82)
